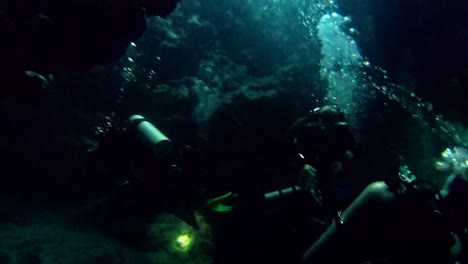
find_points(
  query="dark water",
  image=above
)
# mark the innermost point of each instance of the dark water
(228, 78)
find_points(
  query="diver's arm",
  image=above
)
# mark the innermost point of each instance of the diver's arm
(331, 245)
(375, 194)
(322, 250)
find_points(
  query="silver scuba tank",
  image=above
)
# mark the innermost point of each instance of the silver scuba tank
(151, 137)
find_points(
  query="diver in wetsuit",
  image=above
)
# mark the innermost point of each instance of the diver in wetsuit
(324, 151)
(407, 221)
(142, 163)
(327, 151)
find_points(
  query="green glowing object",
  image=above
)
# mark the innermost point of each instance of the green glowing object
(184, 241)
(220, 208)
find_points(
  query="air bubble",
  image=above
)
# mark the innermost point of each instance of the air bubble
(353, 31)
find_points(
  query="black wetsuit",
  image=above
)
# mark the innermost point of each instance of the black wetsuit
(322, 144)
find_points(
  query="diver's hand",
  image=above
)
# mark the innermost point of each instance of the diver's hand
(309, 181)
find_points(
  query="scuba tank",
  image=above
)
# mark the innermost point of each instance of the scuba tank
(151, 137)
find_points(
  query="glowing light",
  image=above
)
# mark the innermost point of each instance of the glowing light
(183, 241)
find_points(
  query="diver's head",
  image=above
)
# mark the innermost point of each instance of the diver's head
(159, 7)
(330, 114)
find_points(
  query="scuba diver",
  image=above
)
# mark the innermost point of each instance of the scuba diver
(326, 151)
(403, 221)
(131, 149)
(144, 167)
